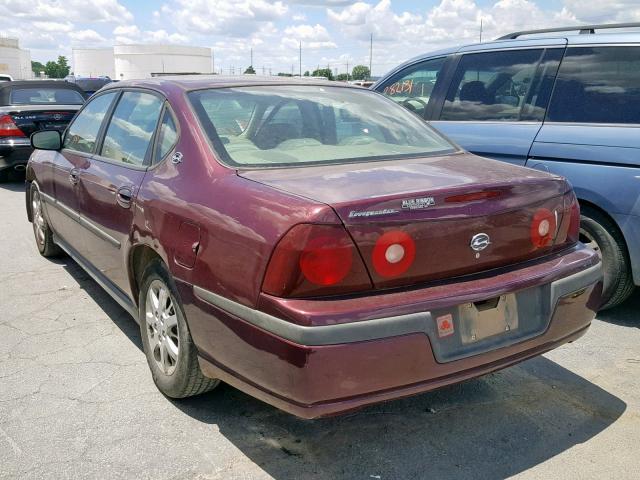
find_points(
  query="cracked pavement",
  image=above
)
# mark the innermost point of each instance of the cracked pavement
(77, 401)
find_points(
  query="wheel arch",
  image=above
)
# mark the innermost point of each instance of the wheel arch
(593, 206)
(140, 256)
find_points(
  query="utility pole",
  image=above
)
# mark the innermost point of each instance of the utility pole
(213, 62)
(300, 58)
(347, 70)
(370, 55)
(251, 57)
(480, 30)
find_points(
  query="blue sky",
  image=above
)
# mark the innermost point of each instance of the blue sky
(332, 32)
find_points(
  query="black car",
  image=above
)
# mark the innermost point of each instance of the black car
(89, 85)
(29, 106)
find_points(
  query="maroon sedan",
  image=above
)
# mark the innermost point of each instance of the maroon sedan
(314, 245)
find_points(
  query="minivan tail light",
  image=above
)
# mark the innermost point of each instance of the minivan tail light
(8, 127)
(314, 260)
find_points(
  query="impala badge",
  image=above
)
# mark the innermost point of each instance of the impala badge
(479, 242)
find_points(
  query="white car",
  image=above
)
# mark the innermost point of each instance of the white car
(5, 78)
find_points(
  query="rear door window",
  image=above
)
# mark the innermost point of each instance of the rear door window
(413, 87)
(131, 128)
(598, 85)
(167, 136)
(509, 85)
(82, 133)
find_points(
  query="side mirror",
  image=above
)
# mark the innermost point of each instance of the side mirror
(46, 140)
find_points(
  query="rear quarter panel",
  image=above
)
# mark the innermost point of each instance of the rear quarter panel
(239, 220)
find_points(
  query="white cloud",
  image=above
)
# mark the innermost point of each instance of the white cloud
(67, 10)
(87, 36)
(312, 36)
(131, 34)
(221, 17)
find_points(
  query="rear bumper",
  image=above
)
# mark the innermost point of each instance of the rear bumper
(12, 155)
(326, 368)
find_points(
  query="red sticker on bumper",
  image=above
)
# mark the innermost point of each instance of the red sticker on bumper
(445, 325)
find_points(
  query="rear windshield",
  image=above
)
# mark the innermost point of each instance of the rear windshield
(266, 126)
(45, 96)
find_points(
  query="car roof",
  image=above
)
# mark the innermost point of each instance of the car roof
(39, 83)
(6, 87)
(198, 82)
(542, 40)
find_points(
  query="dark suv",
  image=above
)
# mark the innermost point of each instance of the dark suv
(552, 100)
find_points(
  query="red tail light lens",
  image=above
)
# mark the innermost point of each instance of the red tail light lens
(8, 127)
(543, 228)
(573, 234)
(315, 260)
(393, 253)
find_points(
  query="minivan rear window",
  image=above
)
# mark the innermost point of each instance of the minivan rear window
(45, 96)
(597, 85)
(265, 126)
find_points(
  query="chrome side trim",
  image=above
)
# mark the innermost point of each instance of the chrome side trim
(378, 328)
(118, 295)
(95, 229)
(88, 224)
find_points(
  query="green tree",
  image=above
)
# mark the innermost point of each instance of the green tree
(342, 77)
(360, 72)
(323, 72)
(59, 69)
(306, 74)
(283, 74)
(36, 67)
(250, 70)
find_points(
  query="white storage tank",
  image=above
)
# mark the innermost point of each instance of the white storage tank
(144, 61)
(93, 62)
(13, 60)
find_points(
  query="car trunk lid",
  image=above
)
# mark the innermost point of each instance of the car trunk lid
(463, 214)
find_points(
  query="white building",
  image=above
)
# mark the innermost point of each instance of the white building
(14, 60)
(124, 62)
(93, 62)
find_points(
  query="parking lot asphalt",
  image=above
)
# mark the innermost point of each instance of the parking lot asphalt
(77, 401)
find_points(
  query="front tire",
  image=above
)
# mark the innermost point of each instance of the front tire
(167, 343)
(41, 230)
(598, 232)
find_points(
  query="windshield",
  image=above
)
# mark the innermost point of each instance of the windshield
(292, 125)
(45, 96)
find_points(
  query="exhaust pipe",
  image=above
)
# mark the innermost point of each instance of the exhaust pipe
(20, 168)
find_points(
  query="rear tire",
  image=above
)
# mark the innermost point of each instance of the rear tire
(41, 230)
(168, 346)
(601, 234)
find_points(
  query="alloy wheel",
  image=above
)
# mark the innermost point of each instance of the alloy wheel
(162, 327)
(39, 223)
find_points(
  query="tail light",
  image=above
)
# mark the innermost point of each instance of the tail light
(543, 228)
(315, 260)
(569, 228)
(571, 204)
(8, 127)
(393, 253)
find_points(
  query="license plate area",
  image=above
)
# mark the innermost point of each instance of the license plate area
(477, 327)
(483, 319)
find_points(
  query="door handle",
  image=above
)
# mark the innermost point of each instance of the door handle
(73, 176)
(124, 196)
